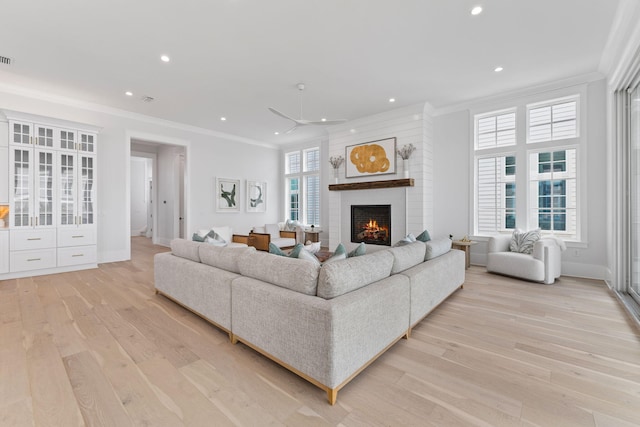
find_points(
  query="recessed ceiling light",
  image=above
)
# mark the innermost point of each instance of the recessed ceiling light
(392, 100)
(128, 93)
(352, 131)
(276, 133)
(165, 58)
(476, 10)
(498, 69)
(323, 119)
(224, 119)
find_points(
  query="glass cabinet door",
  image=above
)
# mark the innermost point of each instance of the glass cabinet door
(87, 189)
(22, 187)
(87, 142)
(44, 191)
(67, 190)
(20, 133)
(44, 136)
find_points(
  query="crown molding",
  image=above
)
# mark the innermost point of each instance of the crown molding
(99, 108)
(519, 93)
(623, 44)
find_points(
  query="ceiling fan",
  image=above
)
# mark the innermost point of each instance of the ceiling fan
(301, 122)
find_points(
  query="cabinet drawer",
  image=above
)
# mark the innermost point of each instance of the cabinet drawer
(77, 255)
(20, 240)
(32, 260)
(76, 237)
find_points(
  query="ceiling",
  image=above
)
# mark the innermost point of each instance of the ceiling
(235, 58)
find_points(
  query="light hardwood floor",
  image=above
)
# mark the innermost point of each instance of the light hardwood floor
(98, 347)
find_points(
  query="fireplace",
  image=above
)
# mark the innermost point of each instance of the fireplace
(371, 224)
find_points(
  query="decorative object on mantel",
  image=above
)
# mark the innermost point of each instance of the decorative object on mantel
(372, 185)
(405, 152)
(371, 158)
(336, 162)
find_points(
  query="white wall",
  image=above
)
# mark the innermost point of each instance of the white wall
(208, 155)
(139, 194)
(453, 169)
(409, 125)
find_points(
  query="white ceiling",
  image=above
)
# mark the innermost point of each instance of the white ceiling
(235, 58)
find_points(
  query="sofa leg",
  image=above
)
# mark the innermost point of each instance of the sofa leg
(332, 395)
(157, 292)
(461, 286)
(408, 334)
(233, 338)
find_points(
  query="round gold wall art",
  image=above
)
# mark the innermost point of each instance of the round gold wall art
(370, 158)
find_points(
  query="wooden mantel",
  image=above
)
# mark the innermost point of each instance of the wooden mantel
(371, 185)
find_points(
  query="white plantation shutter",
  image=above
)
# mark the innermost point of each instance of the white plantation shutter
(495, 130)
(292, 161)
(312, 205)
(491, 194)
(553, 122)
(312, 160)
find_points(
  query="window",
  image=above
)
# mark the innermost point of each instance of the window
(496, 194)
(526, 173)
(552, 122)
(553, 190)
(496, 130)
(302, 180)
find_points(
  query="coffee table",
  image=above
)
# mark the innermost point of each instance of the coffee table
(323, 255)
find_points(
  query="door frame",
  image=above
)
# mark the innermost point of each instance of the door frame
(155, 139)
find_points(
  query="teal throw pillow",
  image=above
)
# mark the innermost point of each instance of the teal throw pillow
(360, 250)
(424, 236)
(197, 238)
(296, 250)
(339, 254)
(273, 249)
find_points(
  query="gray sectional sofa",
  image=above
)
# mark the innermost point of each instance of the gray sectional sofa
(325, 323)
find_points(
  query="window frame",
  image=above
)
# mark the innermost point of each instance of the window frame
(522, 105)
(303, 192)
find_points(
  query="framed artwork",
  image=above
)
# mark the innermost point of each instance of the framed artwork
(227, 195)
(371, 158)
(256, 196)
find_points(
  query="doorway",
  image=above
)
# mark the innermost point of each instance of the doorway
(157, 187)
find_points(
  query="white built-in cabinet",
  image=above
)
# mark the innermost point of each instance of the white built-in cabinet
(52, 194)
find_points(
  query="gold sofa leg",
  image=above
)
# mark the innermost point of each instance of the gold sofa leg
(332, 395)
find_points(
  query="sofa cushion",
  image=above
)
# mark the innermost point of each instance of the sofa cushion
(223, 258)
(338, 278)
(407, 256)
(295, 274)
(283, 242)
(438, 247)
(186, 249)
(215, 239)
(273, 230)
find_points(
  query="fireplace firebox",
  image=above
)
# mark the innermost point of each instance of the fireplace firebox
(371, 224)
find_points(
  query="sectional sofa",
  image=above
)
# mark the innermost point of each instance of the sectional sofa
(325, 323)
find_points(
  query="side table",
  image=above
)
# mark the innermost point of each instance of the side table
(313, 236)
(466, 248)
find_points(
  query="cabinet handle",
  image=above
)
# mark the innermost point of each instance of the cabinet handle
(75, 256)
(34, 238)
(76, 237)
(33, 259)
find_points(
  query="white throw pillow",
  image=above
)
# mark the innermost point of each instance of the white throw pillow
(312, 248)
(523, 241)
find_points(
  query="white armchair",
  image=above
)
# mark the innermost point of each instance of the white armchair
(543, 265)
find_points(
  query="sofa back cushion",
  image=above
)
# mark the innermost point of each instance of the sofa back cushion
(338, 278)
(296, 274)
(222, 257)
(186, 249)
(407, 256)
(438, 247)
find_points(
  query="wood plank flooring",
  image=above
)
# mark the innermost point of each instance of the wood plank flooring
(98, 347)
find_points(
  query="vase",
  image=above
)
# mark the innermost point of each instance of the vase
(405, 167)
(335, 176)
